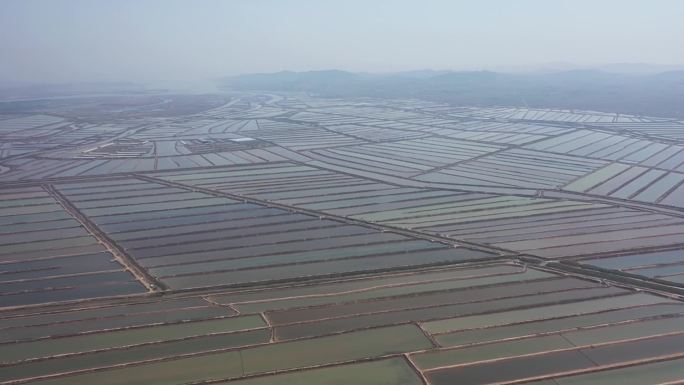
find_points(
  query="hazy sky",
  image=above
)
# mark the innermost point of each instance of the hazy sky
(138, 40)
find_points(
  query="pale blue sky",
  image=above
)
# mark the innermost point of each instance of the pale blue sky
(138, 40)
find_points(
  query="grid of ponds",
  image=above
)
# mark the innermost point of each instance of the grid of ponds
(496, 322)
(281, 239)
(191, 239)
(46, 255)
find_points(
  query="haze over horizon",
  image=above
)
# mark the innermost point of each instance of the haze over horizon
(64, 41)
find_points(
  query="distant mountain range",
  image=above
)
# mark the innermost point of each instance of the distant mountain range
(640, 93)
